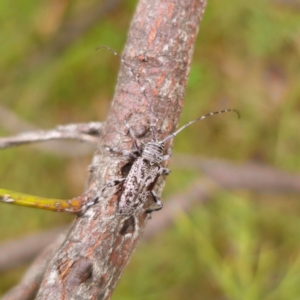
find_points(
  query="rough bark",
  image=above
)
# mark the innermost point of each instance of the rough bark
(101, 242)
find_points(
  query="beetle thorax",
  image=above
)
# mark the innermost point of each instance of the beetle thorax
(153, 152)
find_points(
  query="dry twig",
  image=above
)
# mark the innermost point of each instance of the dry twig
(84, 132)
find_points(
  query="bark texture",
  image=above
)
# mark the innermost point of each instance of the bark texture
(101, 242)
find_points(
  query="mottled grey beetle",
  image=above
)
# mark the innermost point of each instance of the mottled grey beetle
(138, 186)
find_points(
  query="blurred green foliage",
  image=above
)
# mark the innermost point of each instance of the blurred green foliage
(236, 246)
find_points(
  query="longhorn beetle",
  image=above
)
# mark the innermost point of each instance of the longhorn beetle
(138, 186)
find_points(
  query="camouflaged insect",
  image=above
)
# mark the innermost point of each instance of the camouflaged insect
(142, 177)
(137, 189)
(138, 186)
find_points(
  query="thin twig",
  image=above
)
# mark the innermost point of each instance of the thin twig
(84, 132)
(251, 176)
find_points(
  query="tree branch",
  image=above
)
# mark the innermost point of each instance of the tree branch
(12, 123)
(96, 251)
(84, 132)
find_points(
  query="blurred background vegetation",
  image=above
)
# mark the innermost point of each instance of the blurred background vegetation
(238, 245)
